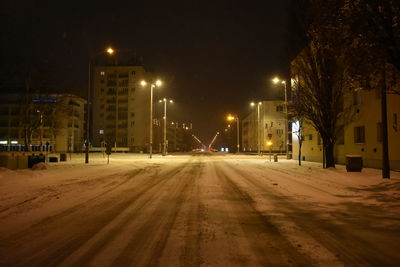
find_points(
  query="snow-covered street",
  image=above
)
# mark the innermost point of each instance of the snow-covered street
(191, 210)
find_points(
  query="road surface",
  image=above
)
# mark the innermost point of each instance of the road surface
(198, 210)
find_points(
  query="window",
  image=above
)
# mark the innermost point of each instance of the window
(319, 142)
(340, 137)
(379, 132)
(310, 137)
(123, 83)
(132, 123)
(359, 134)
(102, 73)
(101, 131)
(279, 131)
(357, 98)
(132, 114)
(279, 108)
(395, 121)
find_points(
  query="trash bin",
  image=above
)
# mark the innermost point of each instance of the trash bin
(53, 159)
(34, 159)
(275, 157)
(354, 163)
(63, 156)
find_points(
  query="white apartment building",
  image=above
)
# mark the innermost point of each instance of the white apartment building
(120, 107)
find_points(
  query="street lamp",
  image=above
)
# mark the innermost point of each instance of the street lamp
(232, 118)
(109, 51)
(269, 144)
(152, 86)
(276, 80)
(41, 129)
(165, 123)
(258, 126)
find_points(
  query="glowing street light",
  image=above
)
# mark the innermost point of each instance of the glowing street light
(152, 86)
(232, 118)
(165, 123)
(276, 80)
(258, 125)
(110, 51)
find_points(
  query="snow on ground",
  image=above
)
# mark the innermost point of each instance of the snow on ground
(210, 210)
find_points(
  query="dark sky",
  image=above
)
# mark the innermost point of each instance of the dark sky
(214, 56)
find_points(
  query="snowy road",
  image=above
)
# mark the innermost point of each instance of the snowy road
(198, 210)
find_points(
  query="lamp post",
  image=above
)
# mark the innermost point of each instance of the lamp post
(152, 86)
(41, 129)
(258, 126)
(165, 123)
(232, 118)
(276, 80)
(109, 51)
(269, 144)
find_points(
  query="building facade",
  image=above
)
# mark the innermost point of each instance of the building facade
(120, 107)
(362, 136)
(271, 128)
(51, 122)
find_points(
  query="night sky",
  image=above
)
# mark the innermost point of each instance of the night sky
(213, 56)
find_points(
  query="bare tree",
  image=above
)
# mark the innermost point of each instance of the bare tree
(320, 80)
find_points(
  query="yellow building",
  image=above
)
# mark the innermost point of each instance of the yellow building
(362, 136)
(121, 107)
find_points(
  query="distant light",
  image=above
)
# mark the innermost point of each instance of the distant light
(164, 99)
(260, 103)
(187, 128)
(160, 101)
(222, 149)
(110, 50)
(158, 83)
(230, 117)
(252, 104)
(102, 73)
(226, 149)
(276, 80)
(101, 131)
(283, 82)
(143, 83)
(269, 143)
(3, 142)
(171, 101)
(202, 150)
(14, 142)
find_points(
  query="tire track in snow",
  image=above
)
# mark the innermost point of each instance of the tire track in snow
(268, 245)
(342, 243)
(36, 248)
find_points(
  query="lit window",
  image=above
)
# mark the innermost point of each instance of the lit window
(101, 131)
(102, 73)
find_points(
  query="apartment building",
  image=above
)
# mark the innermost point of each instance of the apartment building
(271, 128)
(362, 136)
(46, 122)
(120, 107)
